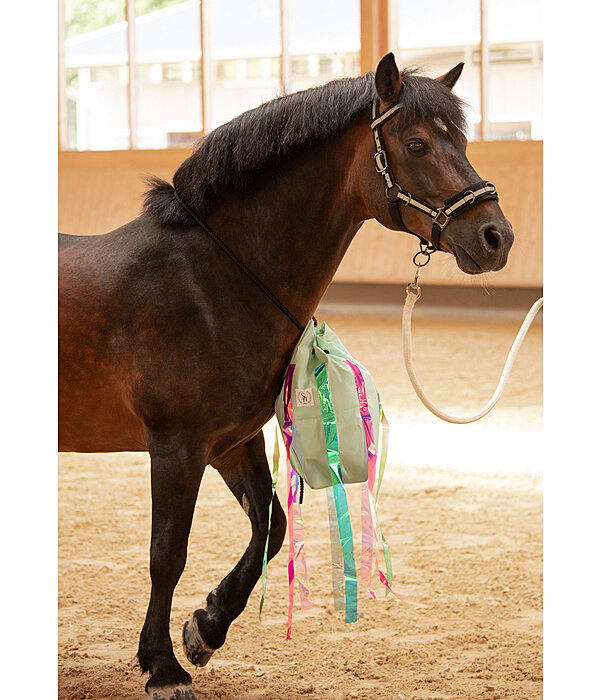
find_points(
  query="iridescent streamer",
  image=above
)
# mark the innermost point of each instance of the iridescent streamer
(385, 439)
(287, 437)
(339, 493)
(367, 512)
(299, 548)
(368, 540)
(337, 559)
(386, 579)
(291, 552)
(372, 534)
(265, 553)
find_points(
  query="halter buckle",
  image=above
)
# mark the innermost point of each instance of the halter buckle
(381, 164)
(441, 219)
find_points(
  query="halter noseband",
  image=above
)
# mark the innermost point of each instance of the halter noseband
(455, 205)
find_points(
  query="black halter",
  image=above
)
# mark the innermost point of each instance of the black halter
(455, 205)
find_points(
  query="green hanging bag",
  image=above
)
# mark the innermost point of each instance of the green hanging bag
(308, 449)
(330, 418)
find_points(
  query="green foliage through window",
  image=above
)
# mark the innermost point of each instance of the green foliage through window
(86, 15)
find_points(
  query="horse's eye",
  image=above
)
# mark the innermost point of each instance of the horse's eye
(416, 146)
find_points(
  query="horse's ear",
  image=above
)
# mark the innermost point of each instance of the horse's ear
(387, 79)
(449, 79)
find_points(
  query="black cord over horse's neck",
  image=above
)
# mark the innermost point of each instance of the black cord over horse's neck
(264, 289)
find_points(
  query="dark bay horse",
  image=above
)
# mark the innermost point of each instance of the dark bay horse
(168, 344)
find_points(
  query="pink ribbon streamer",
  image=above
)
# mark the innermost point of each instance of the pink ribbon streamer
(299, 548)
(290, 546)
(287, 438)
(296, 549)
(371, 532)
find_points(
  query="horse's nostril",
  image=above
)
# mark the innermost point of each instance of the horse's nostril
(492, 240)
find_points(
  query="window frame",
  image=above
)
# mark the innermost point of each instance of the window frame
(378, 20)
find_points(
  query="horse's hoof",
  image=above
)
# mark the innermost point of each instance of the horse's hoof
(172, 692)
(196, 649)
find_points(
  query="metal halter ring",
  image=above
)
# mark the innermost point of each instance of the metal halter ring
(426, 254)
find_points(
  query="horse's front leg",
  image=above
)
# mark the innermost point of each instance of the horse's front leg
(245, 470)
(177, 465)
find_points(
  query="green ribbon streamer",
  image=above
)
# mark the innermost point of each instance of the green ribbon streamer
(337, 558)
(339, 493)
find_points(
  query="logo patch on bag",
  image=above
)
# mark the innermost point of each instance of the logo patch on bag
(304, 397)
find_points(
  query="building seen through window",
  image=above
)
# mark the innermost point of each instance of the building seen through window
(436, 35)
(247, 62)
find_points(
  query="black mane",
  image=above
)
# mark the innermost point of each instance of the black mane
(229, 159)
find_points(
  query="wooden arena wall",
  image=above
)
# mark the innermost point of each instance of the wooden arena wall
(100, 190)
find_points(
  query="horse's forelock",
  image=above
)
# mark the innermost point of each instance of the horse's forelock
(425, 99)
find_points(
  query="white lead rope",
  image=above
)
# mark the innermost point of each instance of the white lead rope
(412, 294)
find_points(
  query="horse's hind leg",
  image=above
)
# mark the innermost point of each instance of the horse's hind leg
(246, 472)
(177, 466)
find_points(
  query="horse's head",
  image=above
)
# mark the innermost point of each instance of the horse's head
(422, 181)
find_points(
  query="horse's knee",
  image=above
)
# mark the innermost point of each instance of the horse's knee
(278, 528)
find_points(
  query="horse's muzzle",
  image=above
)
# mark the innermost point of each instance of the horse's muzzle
(489, 252)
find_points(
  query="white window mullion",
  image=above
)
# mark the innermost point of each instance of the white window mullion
(285, 52)
(484, 70)
(204, 66)
(62, 79)
(131, 85)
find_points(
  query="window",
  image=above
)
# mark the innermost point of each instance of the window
(515, 70)
(96, 66)
(167, 99)
(256, 50)
(436, 35)
(326, 49)
(244, 37)
(134, 75)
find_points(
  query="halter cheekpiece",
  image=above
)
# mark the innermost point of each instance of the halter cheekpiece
(395, 195)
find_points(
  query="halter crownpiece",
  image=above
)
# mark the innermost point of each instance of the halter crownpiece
(455, 205)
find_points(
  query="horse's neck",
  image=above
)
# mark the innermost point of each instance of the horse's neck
(293, 231)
